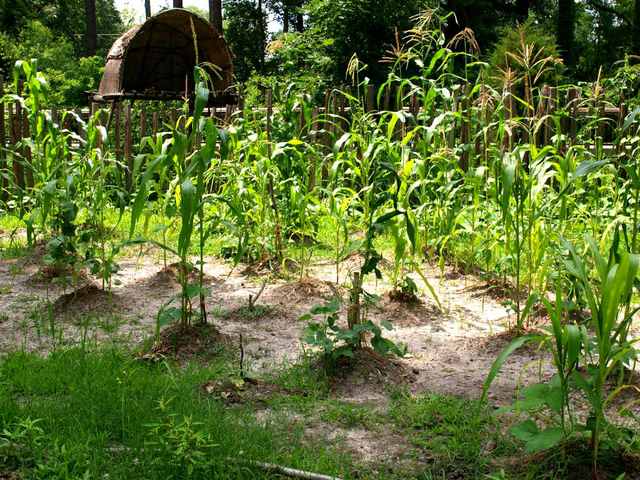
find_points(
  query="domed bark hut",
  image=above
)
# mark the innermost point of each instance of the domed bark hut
(155, 60)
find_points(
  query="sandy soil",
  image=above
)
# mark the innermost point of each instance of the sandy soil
(450, 350)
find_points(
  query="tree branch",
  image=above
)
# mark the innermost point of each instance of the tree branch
(603, 7)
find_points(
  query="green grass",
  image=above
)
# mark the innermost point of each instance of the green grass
(96, 411)
(79, 414)
(458, 436)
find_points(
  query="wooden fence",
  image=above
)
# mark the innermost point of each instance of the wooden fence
(127, 125)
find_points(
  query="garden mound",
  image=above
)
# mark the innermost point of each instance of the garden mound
(169, 277)
(87, 299)
(185, 343)
(407, 314)
(306, 288)
(494, 344)
(368, 370)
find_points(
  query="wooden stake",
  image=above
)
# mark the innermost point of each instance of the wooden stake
(128, 147)
(353, 314)
(269, 94)
(143, 123)
(3, 136)
(26, 151)
(154, 124)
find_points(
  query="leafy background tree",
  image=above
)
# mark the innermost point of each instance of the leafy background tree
(245, 31)
(317, 38)
(364, 27)
(54, 33)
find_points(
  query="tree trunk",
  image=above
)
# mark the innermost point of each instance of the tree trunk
(215, 14)
(147, 8)
(299, 22)
(636, 27)
(522, 10)
(177, 3)
(91, 37)
(263, 32)
(285, 20)
(566, 30)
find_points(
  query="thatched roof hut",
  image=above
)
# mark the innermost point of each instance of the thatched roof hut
(155, 60)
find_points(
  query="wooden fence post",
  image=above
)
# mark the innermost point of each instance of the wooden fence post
(128, 154)
(3, 156)
(387, 97)
(143, 123)
(116, 132)
(269, 94)
(154, 124)
(541, 111)
(18, 172)
(26, 151)
(573, 100)
(343, 109)
(371, 98)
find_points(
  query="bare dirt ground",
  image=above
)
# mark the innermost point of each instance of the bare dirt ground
(450, 350)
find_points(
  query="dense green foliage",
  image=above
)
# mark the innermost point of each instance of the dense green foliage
(245, 31)
(68, 75)
(52, 32)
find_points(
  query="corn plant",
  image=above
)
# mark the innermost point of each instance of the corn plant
(184, 199)
(607, 287)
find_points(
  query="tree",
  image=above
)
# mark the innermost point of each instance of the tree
(68, 76)
(64, 18)
(363, 27)
(566, 30)
(245, 34)
(215, 14)
(147, 8)
(289, 12)
(91, 34)
(177, 3)
(635, 41)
